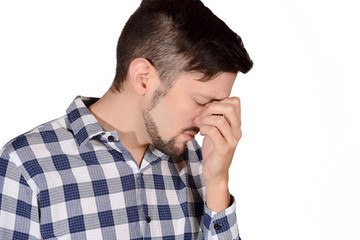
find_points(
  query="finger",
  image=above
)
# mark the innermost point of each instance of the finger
(229, 110)
(236, 102)
(222, 125)
(214, 134)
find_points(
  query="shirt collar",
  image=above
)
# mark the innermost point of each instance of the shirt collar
(85, 126)
(81, 121)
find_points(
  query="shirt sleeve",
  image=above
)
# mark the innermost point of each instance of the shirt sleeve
(19, 212)
(220, 225)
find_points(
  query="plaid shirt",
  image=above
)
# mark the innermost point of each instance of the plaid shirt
(71, 179)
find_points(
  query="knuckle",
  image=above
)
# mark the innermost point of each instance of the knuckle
(227, 149)
(236, 100)
(240, 134)
(220, 121)
(229, 108)
(233, 143)
(213, 131)
(237, 133)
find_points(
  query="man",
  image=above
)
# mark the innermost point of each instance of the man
(126, 166)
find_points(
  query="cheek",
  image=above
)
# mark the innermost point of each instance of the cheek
(166, 118)
(185, 114)
(175, 119)
(175, 114)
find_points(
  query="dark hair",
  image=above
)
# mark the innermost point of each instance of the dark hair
(179, 35)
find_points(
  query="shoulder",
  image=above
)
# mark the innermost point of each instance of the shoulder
(25, 149)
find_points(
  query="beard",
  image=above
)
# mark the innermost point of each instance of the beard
(168, 147)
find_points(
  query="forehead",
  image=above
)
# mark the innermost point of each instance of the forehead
(216, 88)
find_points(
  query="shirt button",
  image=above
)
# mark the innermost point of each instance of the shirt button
(148, 219)
(111, 138)
(217, 227)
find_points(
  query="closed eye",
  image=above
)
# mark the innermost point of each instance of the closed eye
(200, 104)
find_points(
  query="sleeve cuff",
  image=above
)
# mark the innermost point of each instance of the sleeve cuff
(221, 224)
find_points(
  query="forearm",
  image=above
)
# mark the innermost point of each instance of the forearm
(217, 196)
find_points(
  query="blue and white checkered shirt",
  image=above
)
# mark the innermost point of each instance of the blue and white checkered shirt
(71, 179)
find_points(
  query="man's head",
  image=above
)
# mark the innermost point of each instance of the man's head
(177, 55)
(177, 36)
(170, 119)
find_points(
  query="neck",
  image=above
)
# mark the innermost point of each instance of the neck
(120, 111)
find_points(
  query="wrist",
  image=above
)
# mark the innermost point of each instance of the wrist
(217, 181)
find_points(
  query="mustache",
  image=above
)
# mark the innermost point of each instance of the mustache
(195, 129)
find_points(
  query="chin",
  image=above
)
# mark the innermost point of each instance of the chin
(173, 150)
(178, 150)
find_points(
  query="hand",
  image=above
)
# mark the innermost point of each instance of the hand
(220, 122)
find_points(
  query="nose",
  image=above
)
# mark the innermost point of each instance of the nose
(197, 121)
(197, 115)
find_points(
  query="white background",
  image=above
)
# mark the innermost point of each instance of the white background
(296, 170)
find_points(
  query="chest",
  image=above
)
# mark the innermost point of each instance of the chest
(115, 200)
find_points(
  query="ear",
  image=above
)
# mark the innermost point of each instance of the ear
(140, 74)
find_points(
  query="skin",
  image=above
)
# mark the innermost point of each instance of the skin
(169, 121)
